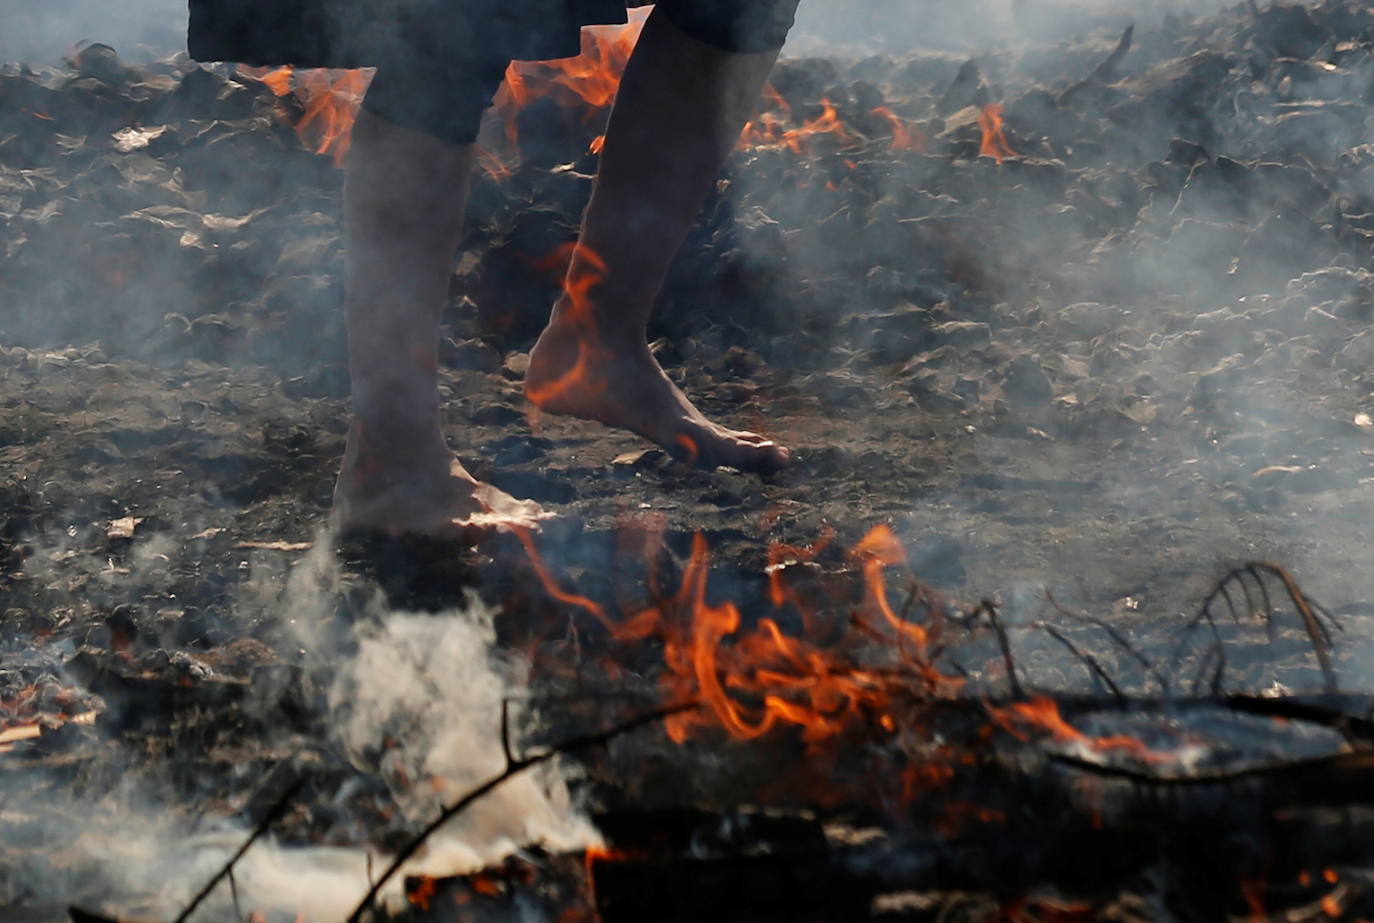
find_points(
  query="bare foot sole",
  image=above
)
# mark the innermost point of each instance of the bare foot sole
(626, 388)
(456, 508)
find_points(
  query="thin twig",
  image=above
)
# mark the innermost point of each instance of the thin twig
(1204, 615)
(1088, 660)
(1117, 637)
(234, 895)
(1215, 651)
(1316, 631)
(276, 811)
(1327, 778)
(513, 768)
(505, 731)
(1263, 587)
(1230, 603)
(990, 610)
(1220, 674)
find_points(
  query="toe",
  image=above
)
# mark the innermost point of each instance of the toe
(742, 451)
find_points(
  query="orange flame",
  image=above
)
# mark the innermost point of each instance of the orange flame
(994, 143)
(279, 80)
(904, 137)
(333, 103)
(492, 165)
(1042, 713)
(541, 570)
(752, 682)
(423, 893)
(767, 127)
(767, 130)
(877, 550)
(590, 79)
(331, 100)
(1252, 891)
(780, 555)
(585, 272)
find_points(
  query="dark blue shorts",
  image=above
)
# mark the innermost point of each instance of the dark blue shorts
(406, 93)
(439, 62)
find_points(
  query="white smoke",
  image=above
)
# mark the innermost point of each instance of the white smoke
(424, 690)
(42, 33)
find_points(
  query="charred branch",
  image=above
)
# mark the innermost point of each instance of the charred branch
(1108, 71)
(263, 826)
(513, 768)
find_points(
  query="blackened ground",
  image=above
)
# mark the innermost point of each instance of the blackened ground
(1110, 367)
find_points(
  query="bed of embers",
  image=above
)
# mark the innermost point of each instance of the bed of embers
(1063, 336)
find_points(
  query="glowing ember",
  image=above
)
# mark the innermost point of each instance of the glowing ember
(994, 143)
(422, 893)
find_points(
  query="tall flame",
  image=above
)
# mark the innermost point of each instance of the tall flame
(904, 137)
(590, 79)
(586, 271)
(994, 143)
(750, 682)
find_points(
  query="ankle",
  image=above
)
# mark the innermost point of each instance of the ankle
(604, 325)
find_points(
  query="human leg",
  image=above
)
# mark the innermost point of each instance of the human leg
(681, 105)
(404, 196)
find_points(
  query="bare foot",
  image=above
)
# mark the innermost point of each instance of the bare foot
(578, 373)
(425, 493)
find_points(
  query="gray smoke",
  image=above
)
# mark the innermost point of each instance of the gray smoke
(430, 684)
(43, 32)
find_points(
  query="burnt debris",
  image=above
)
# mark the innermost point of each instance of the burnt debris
(1090, 313)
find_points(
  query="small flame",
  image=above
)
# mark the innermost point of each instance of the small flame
(330, 98)
(590, 79)
(278, 80)
(1042, 713)
(904, 137)
(827, 123)
(423, 892)
(1252, 892)
(691, 454)
(492, 165)
(780, 555)
(586, 271)
(333, 103)
(994, 143)
(767, 129)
